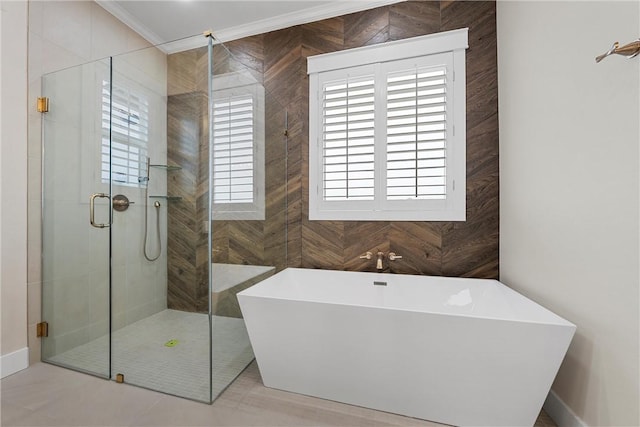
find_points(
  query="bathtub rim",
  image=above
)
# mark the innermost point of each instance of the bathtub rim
(257, 291)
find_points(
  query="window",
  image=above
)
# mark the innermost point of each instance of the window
(238, 148)
(129, 135)
(387, 135)
(233, 148)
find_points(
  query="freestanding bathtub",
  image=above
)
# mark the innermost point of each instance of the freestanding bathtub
(450, 350)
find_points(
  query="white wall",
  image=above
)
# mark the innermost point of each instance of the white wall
(569, 161)
(13, 187)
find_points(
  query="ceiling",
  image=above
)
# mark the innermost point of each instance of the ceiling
(170, 20)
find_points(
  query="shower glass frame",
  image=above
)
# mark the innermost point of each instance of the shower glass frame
(117, 243)
(58, 301)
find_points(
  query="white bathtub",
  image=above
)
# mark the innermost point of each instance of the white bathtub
(450, 350)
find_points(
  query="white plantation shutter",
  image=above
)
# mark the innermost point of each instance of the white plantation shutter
(387, 131)
(348, 139)
(129, 112)
(238, 133)
(416, 130)
(233, 135)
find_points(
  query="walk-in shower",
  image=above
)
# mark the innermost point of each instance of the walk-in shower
(141, 287)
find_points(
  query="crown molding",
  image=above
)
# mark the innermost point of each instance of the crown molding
(304, 16)
(129, 20)
(186, 44)
(317, 13)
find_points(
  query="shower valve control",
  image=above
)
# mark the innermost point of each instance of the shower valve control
(121, 203)
(393, 256)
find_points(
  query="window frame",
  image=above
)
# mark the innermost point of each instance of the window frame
(385, 59)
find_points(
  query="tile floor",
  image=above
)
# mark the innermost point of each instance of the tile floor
(140, 354)
(47, 395)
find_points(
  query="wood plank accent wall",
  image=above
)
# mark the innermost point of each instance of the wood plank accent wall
(188, 147)
(182, 224)
(236, 242)
(250, 241)
(278, 59)
(442, 248)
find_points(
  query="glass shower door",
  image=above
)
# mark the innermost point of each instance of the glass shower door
(76, 219)
(125, 288)
(161, 337)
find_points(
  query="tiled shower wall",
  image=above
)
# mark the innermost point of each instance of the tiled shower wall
(467, 248)
(236, 242)
(187, 146)
(65, 34)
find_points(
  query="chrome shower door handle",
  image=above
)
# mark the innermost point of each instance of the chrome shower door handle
(92, 209)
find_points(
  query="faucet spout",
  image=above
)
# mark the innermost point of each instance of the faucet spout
(379, 261)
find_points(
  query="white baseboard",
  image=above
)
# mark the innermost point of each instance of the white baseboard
(560, 412)
(14, 362)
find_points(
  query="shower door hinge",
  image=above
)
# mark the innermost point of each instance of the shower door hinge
(43, 105)
(42, 330)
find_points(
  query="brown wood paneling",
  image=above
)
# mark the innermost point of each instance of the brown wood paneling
(182, 149)
(249, 54)
(203, 257)
(471, 248)
(187, 146)
(322, 37)
(275, 186)
(220, 241)
(180, 72)
(468, 248)
(413, 18)
(438, 248)
(420, 244)
(241, 242)
(322, 244)
(366, 27)
(246, 242)
(284, 72)
(362, 237)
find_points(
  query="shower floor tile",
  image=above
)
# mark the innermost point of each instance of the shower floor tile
(140, 353)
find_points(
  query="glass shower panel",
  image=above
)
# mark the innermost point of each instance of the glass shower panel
(248, 221)
(147, 294)
(75, 255)
(161, 326)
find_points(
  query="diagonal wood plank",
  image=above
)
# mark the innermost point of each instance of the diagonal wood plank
(413, 18)
(419, 244)
(367, 27)
(362, 237)
(322, 244)
(450, 248)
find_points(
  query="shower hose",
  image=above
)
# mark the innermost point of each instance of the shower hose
(146, 217)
